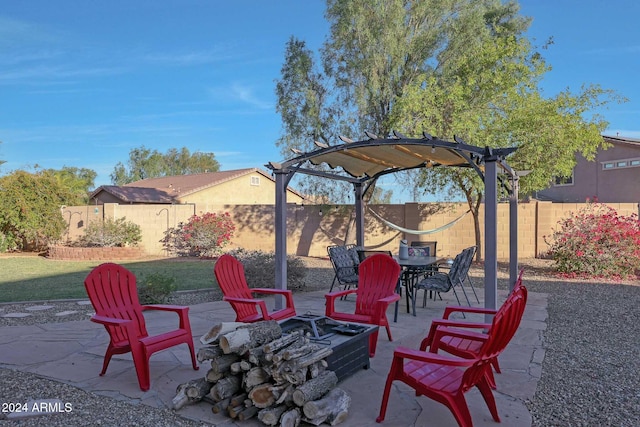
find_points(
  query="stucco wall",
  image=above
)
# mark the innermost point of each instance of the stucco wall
(310, 229)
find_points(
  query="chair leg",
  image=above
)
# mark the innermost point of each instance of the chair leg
(107, 358)
(141, 363)
(373, 343)
(458, 406)
(473, 288)
(396, 366)
(193, 353)
(490, 400)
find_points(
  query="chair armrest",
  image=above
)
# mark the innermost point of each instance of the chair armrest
(181, 310)
(442, 332)
(330, 300)
(288, 295)
(110, 321)
(165, 307)
(440, 323)
(450, 309)
(383, 303)
(260, 303)
(422, 356)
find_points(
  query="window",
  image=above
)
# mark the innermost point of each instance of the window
(563, 180)
(621, 164)
(255, 180)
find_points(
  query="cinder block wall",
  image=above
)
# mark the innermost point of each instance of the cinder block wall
(310, 229)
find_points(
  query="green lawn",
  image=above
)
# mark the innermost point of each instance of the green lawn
(37, 278)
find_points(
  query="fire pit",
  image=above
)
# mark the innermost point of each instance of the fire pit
(349, 341)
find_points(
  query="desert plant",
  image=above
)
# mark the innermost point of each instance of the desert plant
(109, 233)
(597, 241)
(201, 236)
(155, 288)
(259, 269)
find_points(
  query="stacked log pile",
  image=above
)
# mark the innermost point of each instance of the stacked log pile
(256, 371)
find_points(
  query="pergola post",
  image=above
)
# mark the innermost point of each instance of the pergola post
(513, 232)
(359, 207)
(490, 234)
(281, 235)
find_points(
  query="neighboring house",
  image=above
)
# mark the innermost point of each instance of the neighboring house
(250, 186)
(612, 177)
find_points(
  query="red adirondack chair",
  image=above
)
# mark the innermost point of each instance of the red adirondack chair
(114, 296)
(439, 337)
(377, 280)
(445, 378)
(230, 276)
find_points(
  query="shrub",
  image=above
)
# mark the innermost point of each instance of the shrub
(110, 233)
(155, 288)
(598, 242)
(260, 269)
(202, 236)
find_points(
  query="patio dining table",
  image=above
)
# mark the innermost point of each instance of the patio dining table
(407, 279)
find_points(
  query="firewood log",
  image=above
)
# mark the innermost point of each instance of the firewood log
(223, 363)
(290, 418)
(226, 387)
(247, 413)
(286, 396)
(208, 353)
(296, 377)
(317, 368)
(250, 336)
(234, 411)
(277, 344)
(271, 416)
(191, 392)
(262, 396)
(298, 351)
(256, 356)
(254, 377)
(238, 399)
(220, 329)
(333, 408)
(220, 406)
(313, 357)
(315, 388)
(213, 376)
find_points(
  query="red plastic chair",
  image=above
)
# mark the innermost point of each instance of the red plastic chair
(377, 281)
(446, 378)
(230, 276)
(114, 296)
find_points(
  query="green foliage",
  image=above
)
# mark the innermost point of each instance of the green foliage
(110, 233)
(77, 181)
(259, 269)
(597, 242)
(30, 209)
(155, 288)
(145, 163)
(202, 236)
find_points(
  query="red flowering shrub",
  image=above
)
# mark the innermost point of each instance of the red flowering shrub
(597, 242)
(202, 236)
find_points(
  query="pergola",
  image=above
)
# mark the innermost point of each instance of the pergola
(361, 163)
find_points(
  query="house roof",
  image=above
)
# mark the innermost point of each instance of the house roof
(168, 189)
(136, 194)
(184, 185)
(621, 140)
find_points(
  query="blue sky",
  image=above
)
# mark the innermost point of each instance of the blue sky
(82, 83)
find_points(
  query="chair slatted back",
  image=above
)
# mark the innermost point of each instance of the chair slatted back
(230, 275)
(503, 327)
(113, 293)
(344, 260)
(378, 278)
(365, 253)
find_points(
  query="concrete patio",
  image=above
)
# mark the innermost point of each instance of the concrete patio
(72, 353)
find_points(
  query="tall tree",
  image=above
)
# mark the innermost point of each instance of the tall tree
(145, 163)
(450, 67)
(485, 90)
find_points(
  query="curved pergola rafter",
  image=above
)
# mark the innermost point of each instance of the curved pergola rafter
(361, 163)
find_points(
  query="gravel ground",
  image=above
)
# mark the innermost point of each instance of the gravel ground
(589, 374)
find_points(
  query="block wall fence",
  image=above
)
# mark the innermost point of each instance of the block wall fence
(310, 229)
